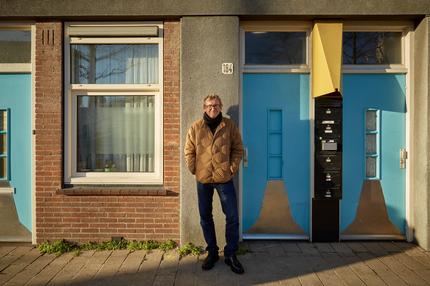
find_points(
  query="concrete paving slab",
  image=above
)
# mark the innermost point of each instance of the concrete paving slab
(271, 263)
(18, 265)
(66, 275)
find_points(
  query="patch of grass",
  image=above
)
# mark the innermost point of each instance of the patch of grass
(168, 245)
(61, 246)
(77, 252)
(105, 245)
(243, 249)
(114, 244)
(150, 244)
(135, 245)
(143, 245)
(57, 247)
(190, 248)
(89, 246)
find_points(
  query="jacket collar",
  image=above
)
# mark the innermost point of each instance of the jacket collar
(220, 126)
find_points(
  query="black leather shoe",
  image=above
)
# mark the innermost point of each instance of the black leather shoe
(234, 264)
(210, 261)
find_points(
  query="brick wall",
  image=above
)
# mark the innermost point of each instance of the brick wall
(89, 218)
(171, 105)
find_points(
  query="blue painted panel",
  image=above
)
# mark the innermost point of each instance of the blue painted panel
(387, 93)
(275, 144)
(275, 168)
(275, 120)
(289, 94)
(275, 150)
(15, 94)
(393, 179)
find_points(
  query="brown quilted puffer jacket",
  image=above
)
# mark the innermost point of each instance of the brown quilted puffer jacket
(213, 158)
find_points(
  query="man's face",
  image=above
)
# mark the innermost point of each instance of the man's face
(212, 107)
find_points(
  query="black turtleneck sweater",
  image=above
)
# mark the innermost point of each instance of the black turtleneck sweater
(212, 123)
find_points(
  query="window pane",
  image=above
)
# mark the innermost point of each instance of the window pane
(371, 143)
(370, 167)
(115, 134)
(371, 117)
(114, 64)
(372, 48)
(15, 46)
(275, 48)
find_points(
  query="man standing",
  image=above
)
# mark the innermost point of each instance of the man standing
(213, 152)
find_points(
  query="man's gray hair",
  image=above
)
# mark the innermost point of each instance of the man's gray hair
(210, 97)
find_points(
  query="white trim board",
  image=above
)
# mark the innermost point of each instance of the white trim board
(72, 90)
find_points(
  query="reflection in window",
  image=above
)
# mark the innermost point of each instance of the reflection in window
(115, 64)
(115, 134)
(372, 144)
(372, 48)
(275, 48)
(15, 46)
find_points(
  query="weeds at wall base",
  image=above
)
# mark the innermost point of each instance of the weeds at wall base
(59, 247)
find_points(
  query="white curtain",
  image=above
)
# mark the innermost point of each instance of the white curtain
(142, 64)
(124, 134)
(115, 133)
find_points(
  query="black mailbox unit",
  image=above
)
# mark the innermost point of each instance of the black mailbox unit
(328, 168)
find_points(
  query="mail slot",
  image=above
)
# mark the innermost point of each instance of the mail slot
(329, 179)
(329, 162)
(329, 130)
(328, 146)
(328, 112)
(328, 193)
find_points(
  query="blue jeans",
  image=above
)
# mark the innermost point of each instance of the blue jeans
(227, 195)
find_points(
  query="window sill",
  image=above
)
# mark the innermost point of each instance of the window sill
(103, 190)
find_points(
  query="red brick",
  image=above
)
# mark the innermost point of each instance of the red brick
(97, 218)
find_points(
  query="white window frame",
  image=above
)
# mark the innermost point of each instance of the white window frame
(402, 27)
(71, 176)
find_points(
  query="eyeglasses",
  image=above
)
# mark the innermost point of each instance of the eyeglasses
(212, 106)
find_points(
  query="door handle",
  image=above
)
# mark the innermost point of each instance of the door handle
(403, 157)
(245, 157)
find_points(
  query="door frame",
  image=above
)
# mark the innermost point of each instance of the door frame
(406, 27)
(28, 68)
(276, 26)
(406, 68)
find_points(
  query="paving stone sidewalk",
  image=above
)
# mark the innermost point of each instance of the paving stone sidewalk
(268, 263)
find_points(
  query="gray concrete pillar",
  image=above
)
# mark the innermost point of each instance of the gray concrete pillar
(207, 42)
(420, 141)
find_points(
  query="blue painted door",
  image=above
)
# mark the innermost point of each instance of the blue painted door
(374, 112)
(15, 96)
(275, 192)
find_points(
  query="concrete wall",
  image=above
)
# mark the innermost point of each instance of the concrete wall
(421, 143)
(207, 42)
(157, 8)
